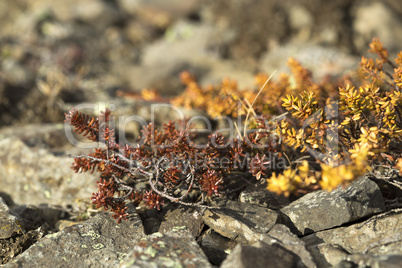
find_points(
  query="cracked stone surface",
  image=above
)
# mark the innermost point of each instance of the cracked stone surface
(322, 210)
(366, 237)
(98, 242)
(35, 176)
(175, 248)
(241, 222)
(183, 216)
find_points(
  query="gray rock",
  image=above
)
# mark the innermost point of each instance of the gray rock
(367, 260)
(385, 26)
(300, 19)
(48, 136)
(249, 36)
(183, 216)
(260, 196)
(34, 217)
(12, 247)
(281, 235)
(176, 248)
(321, 61)
(241, 222)
(99, 242)
(10, 224)
(261, 255)
(171, 8)
(322, 210)
(151, 225)
(327, 255)
(95, 12)
(216, 247)
(382, 236)
(183, 48)
(34, 176)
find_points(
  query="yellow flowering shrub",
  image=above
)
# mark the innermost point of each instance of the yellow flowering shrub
(370, 121)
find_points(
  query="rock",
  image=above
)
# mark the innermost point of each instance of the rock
(61, 224)
(367, 260)
(49, 136)
(179, 44)
(162, 61)
(250, 37)
(295, 21)
(385, 26)
(281, 235)
(330, 23)
(35, 177)
(394, 5)
(378, 236)
(10, 224)
(95, 12)
(183, 216)
(241, 222)
(31, 216)
(99, 242)
(34, 217)
(151, 225)
(301, 20)
(57, 30)
(322, 210)
(327, 255)
(176, 248)
(321, 61)
(261, 255)
(183, 48)
(17, 21)
(174, 8)
(260, 196)
(11, 247)
(216, 247)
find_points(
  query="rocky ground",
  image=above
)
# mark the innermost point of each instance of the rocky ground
(57, 54)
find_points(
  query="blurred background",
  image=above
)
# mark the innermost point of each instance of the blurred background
(57, 53)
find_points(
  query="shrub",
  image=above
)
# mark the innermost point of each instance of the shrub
(293, 119)
(168, 160)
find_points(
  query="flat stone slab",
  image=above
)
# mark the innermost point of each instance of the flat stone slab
(376, 236)
(321, 210)
(242, 222)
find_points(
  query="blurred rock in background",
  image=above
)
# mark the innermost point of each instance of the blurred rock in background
(54, 54)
